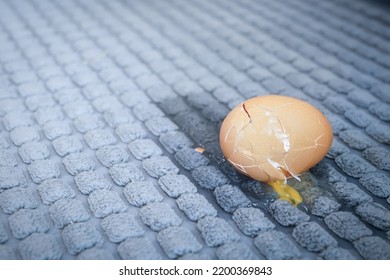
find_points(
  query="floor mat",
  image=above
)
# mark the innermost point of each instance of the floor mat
(110, 114)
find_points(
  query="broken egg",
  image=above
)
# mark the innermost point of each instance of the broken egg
(272, 138)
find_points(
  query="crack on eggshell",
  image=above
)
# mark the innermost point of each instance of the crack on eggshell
(276, 109)
(238, 166)
(276, 128)
(246, 111)
(238, 134)
(280, 133)
(228, 133)
(249, 117)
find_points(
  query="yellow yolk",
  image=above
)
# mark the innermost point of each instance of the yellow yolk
(286, 192)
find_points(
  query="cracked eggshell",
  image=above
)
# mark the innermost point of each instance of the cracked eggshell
(275, 137)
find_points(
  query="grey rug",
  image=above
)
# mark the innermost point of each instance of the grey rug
(106, 107)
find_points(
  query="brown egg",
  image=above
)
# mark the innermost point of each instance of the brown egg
(275, 137)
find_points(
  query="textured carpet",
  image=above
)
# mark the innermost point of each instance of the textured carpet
(105, 104)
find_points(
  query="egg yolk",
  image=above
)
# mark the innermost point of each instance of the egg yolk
(286, 192)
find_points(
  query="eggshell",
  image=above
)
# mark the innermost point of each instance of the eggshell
(275, 137)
